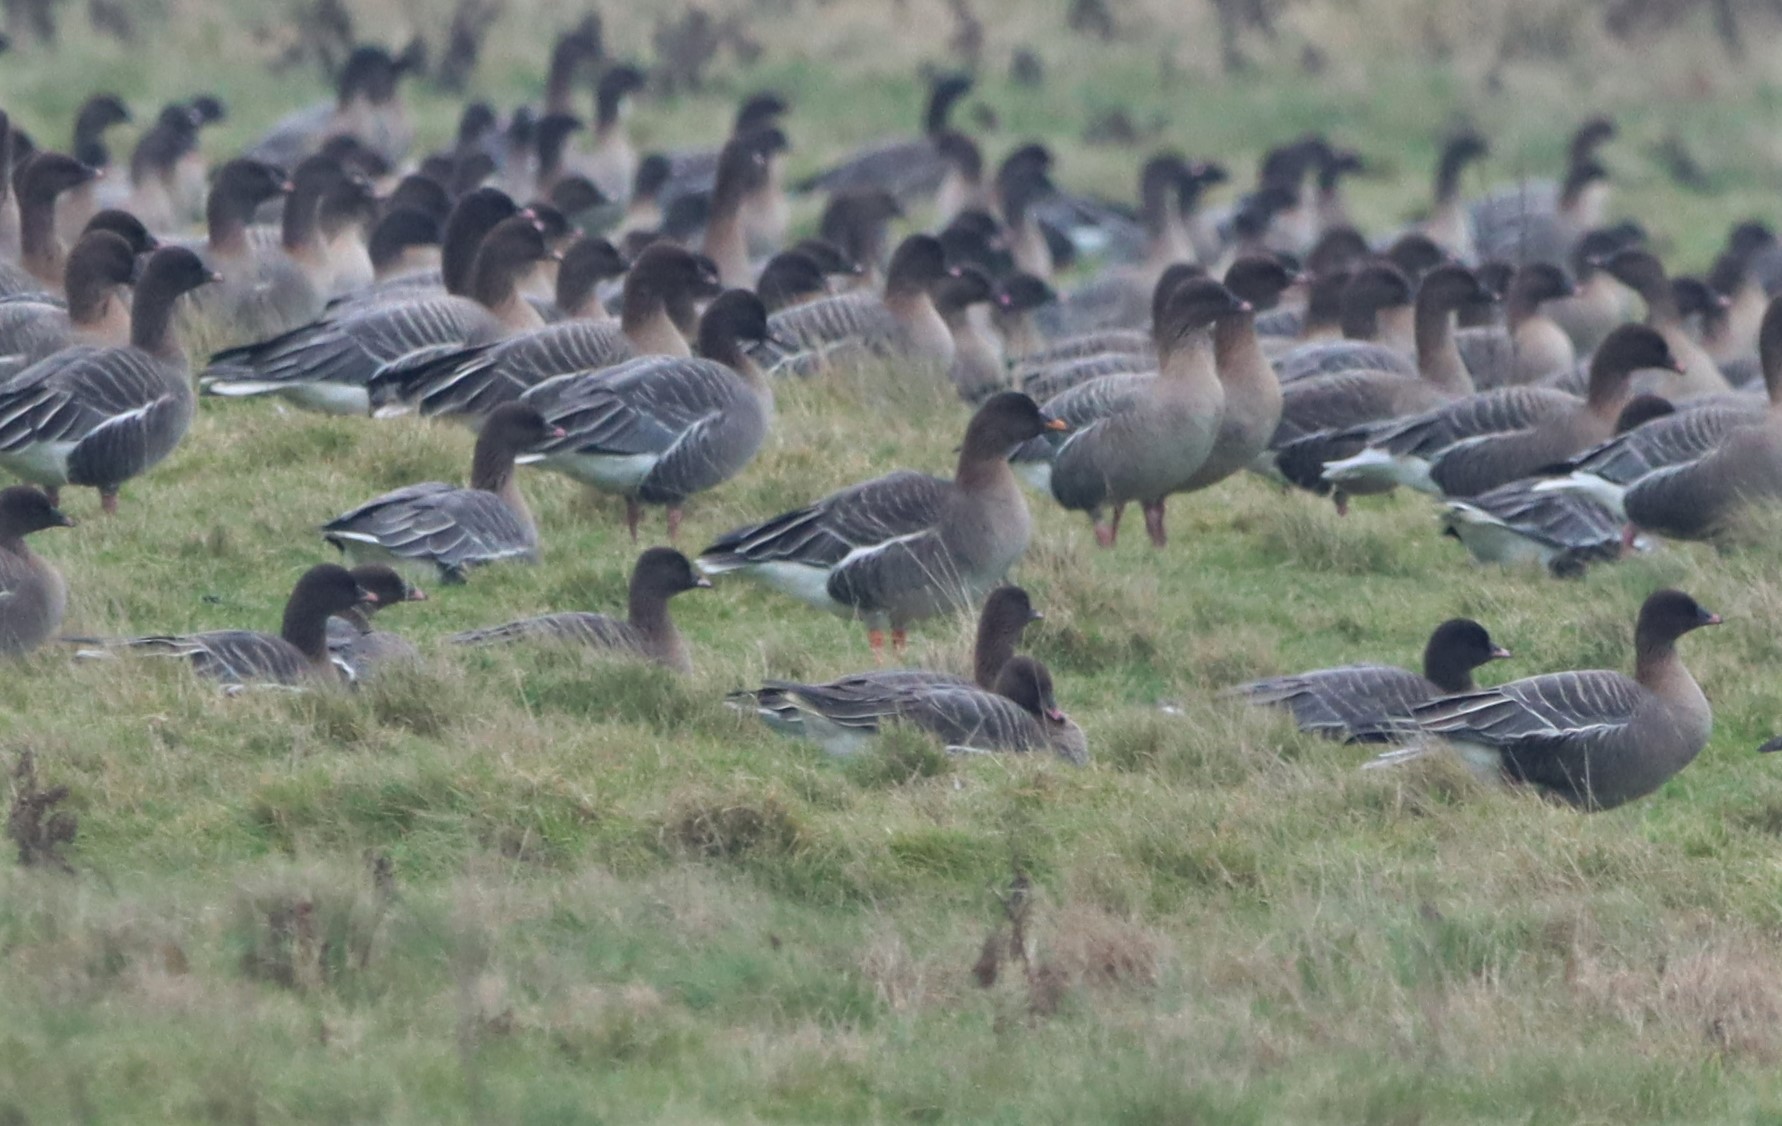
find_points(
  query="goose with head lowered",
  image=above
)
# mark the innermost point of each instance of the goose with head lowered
(646, 631)
(906, 546)
(1595, 739)
(1019, 715)
(97, 417)
(101, 269)
(328, 365)
(295, 656)
(1139, 437)
(656, 310)
(659, 429)
(1352, 702)
(449, 529)
(33, 596)
(357, 646)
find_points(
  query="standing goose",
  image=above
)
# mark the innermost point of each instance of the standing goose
(1448, 224)
(297, 655)
(446, 527)
(329, 365)
(902, 323)
(1596, 739)
(656, 309)
(647, 630)
(96, 116)
(905, 546)
(742, 169)
(33, 596)
(1354, 702)
(1531, 345)
(613, 162)
(1141, 437)
(1253, 396)
(101, 269)
(1076, 360)
(1020, 715)
(1007, 613)
(244, 302)
(659, 429)
(1642, 272)
(353, 643)
(908, 169)
(39, 183)
(97, 417)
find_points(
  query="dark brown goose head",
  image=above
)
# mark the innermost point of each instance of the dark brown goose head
(387, 586)
(401, 231)
(737, 318)
(610, 94)
(1642, 409)
(510, 430)
(170, 273)
(1006, 419)
(960, 153)
(97, 114)
(1590, 136)
(124, 225)
(1159, 187)
(858, 221)
(1597, 246)
(39, 180)
(790, 278)
(758, 111)
(349, 204)
(372, 74)
(666, 276)
(1582, 177)
(575, 52)
(25, 510)
(742, 168)
(659, 574)
(1029, 683)
(918, 264)
(1447, 289)
(1371, 290)
(587, 264)
(1324, 301)
(549, 140)
(423, 194)
(237, 192)
(577, 195)
(1023, 293)
(1665, 616)
(1535, 284)
(1195, 306)
(472, 218)
(1006, 615)
(957, 292)
(1200, 177)
(100, 266)
(1416, 255)
(1174, 276)
(324, 591)
(943, 93)
(1259, 281)
(1337, 249)
(506, 256)
(1460, 151)
(653, 173)
(1455, 649)
(1628, 349)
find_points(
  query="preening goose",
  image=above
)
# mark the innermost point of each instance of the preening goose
(1140, 437)
(101, 269)
(909, 169)
(354, 643)
(450, 529)
(329, 365)
(661, 289)
(646, 631)
(1354, 702)
(905, 546)
(1595, 739)
(39, 183)
(33, 596)
(902, 323)
(97, 417)
(659, 429)
(296, 655)
(1021, 715)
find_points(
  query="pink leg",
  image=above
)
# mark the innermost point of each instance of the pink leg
(108, 502)
(1629, 533)
(900, 640)
(674, 524)
(633, 513)
(875, 639)
(1106, 534)
(1154, 524)
(54, 493)
(1341, 500)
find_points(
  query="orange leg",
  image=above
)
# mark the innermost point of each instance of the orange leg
(1154, 524)
(1628, 535)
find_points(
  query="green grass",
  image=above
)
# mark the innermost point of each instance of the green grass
(605, 897)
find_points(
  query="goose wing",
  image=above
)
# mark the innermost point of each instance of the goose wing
(1336, 356)
(845, 525)
(235, 656)
(1352, 702)
(471, 382)
(596, 631)
(1675, 439)
(108, 413)
(449, 527)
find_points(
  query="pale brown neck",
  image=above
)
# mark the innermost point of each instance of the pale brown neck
(652, 332)
(1397, 328)
(1438, 356)
(40, 251)
(1190, 358)
(1237, 352)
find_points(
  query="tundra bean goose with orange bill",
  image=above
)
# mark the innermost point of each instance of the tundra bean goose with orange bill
(646, 631)
(328, 365)
(906, 546)
(450, 529)
(95, 416)
(1596, 739)
(33, 596)
(1352, 702)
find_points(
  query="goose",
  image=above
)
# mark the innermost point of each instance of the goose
(367, 105)
(659, 429)
(1449, 225)
(97, 417)
(613, 162)
(979, 368)
(1253, 397)
(1377, 316)
(646, 631)
(695, 171)
(329, 365)
(857, 222)
(1531, 345)
(1642, 272)
(448, 528)
(1595, 739)
(39, 183)
(742, 169)
(33, 596)
(101, 269)
(1121, 298)
(962, 187)
(791, 278)
(467, 224)
(1018, 298)
(168, 172)
(353, 644)
(1326, 418)
(574, 53)
(247, 299)
(906, 546)
(588, 265)
(903, 323)
(405, 242)
(643, 208)
(290, 275)
(1075, 360)
(1604, 473)
(96, 116)
(908, 169)
(1353, 702)
(296, 656)
(1020, 715)
(1140, 437)
(660, 291)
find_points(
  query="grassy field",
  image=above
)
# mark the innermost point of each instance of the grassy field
(534, 886)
